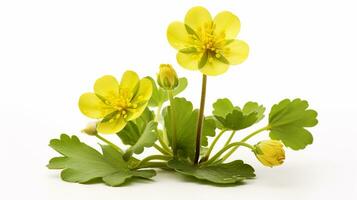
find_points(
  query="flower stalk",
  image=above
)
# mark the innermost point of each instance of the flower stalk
(243, 140)
(205, 158)
(200, 119)
(110, 143)
(224, 149)
(173, 121)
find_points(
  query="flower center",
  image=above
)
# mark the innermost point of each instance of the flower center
(122, 103)
(208, 41)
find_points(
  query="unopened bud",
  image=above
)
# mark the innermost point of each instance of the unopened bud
(167, 77)
(270, 152)
(91, 129)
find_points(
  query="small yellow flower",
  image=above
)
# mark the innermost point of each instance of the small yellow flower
(115, 103)
(270, 152)
(167, 77)
(207, 44)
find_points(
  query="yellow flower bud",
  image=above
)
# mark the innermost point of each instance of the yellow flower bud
(91, 129)
(270, 152)
(167, 77)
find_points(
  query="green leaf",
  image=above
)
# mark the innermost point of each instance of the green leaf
(81, 163)
(121, 176)
(253, 107)
(203, 60)
(233, 117)
(209, 129)
(57, 163)
(236, 120)
(226, 173)
(139, 133)
(134, 129)
(147, 139)
(222, 107)
(186, 123)
(159, 95)
(188, 50)
(287, 121)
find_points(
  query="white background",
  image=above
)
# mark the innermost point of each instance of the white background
(52, 51)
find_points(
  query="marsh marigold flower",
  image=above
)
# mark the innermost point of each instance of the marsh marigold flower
(207, 44)
(116, 103)
(167, 77)
(270, 152)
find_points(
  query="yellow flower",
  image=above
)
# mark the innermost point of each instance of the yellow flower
(115, 103)
(167, 77)
(270, 152)
(207, 44)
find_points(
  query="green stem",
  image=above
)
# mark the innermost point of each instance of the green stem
(255, 133)
(158, 113)
(212, 146)
(200, 119)
(224, 149)
(162, 150)
(154, 157)
(164, 145)
(173, 122)
(243, 140)
(110, 143)
(230, 138)
(161, 140)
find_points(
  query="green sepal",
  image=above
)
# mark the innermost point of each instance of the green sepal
(221, 58)
(110, 116)
(203, 60)
(188, 50)
(190, 30)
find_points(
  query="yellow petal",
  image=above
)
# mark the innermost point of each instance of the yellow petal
(135, 113)
(129, 81)
(91, 106)
(112, 126)
(107, 87)
(188, 60)
(144, 91)
(214, 67)
(236, 52)
(197, 17)
(177, 35)
(227, 24)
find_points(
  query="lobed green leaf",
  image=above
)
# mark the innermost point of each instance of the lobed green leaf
(287, 121)
(186, 123)
(233, 117)
(226, 173)
(81, 163)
